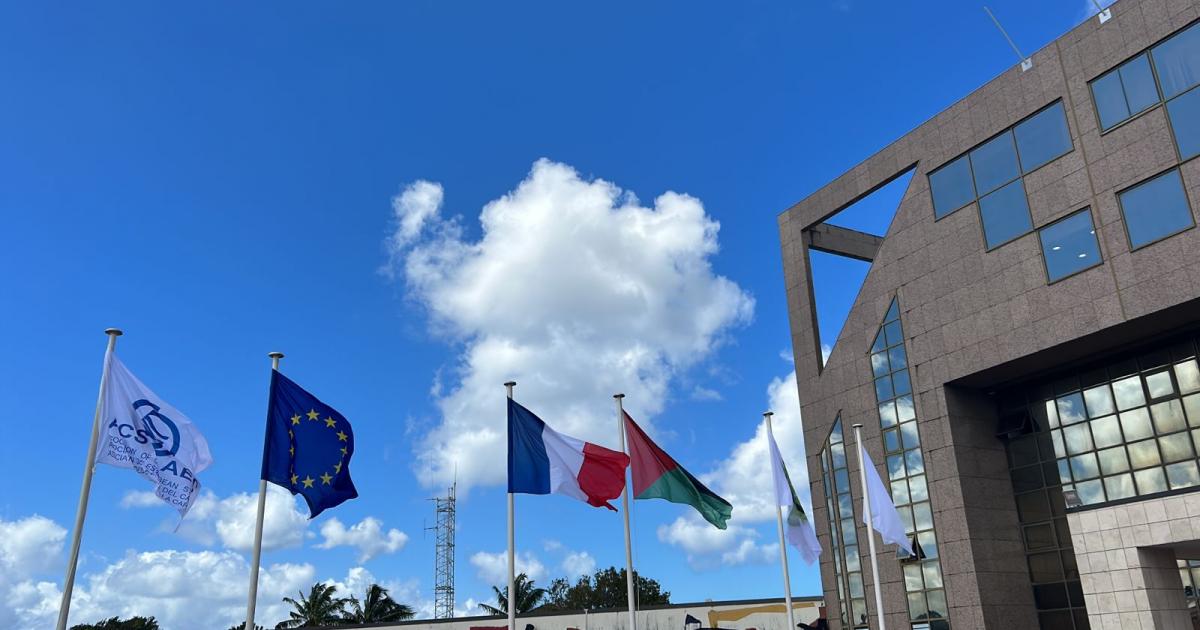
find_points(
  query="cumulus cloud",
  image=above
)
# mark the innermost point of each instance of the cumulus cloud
(412, 209)
(492, 568)
(182, 589)
(230, 521)
(29, 547)
(579, 563)
(367, 536)
(707, 547)
(750, 552)
(575, 290)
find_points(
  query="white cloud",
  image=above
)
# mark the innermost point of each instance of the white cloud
(705, 394)
(707, 547)
(744, 478)
(574, 290)
(29, 547)
(579, 563)
(182, 589)
(412, 209)
(230, 521)
(367, 536)
(750, 552)
(492, 568)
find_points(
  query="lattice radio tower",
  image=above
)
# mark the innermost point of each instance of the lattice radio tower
(443, 569)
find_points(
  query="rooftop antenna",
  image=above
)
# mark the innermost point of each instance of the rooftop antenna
(1102, 14)
(443, 562)
(1026, 62)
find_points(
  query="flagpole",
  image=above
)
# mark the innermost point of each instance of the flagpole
(252, 598)
(64, 606)
(625, 511)
(862, 474)
(787, 577)
(512, 552)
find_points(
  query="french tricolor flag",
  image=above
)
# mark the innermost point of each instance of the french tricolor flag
(544, 461)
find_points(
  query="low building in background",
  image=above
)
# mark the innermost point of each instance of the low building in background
(746, 614)
(1022, 355)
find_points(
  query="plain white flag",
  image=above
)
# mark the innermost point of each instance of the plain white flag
(884, 517)
(143, 432)
(799, 531)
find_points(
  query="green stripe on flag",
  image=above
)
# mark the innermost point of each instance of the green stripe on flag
(679, 486)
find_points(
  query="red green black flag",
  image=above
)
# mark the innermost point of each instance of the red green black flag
(657, 475)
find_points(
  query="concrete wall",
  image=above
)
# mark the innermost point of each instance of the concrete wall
(968, 314)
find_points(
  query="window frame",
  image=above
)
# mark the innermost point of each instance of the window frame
(1042, 247)
(1125, 221)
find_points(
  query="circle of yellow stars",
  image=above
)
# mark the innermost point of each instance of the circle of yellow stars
(325, 477)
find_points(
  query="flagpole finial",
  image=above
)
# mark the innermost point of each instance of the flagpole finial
(768, 414)
(618, 396)
(275, 355)
(510, 384)
(115, 332)
(856, 426)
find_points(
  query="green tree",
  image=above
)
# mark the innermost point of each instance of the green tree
(133, 623)
(604, 589)
(377, 605)
(322, 607)
(528, 597)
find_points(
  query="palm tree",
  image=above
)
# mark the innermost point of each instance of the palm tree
(321, 608)
(528, 597)
(377, 605)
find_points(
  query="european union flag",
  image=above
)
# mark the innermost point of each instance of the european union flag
(308, 447)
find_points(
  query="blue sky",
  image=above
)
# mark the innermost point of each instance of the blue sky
(229, 179)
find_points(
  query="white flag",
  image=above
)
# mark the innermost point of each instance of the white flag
(799, 531)
(143, 432)
(884, 517)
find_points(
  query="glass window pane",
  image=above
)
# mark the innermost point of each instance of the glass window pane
(933, 575)
(1033, 507)
(1005, 214)
(1143, 454)
(1168, 416)
(916, 606)
(1140, 92)
(1043, 137)
(1045, 567)
(1178, 62)
(894, 336)
(1176, 447)
(1070, 246)
(1070, 409)
(1183, 475)
(951, 187)
(1129, 393)
(879, 364)
(1185, 122)
(1085, 466)
(883, 387)
(904, 409)
(922, 517)
(838, 451)
(1099, 401)
(913, 580)
(908, 432)
(1150, 481)
(1136, 424)
(994, 163)
(918, 491)
(1159, 384)
(1051, 414)
(900, 492)
(897, 358)
(891, 441)
(1188, 376)
(1106, 431)
(1155, 209)
(1113, 460)
(900, 383)
(880, 343)
(1191, 404)
(887, 414)
(1079, 438)
(936, 603)
(915, 462)
(1110, 99)
(1119, 487)
(1090, 492)
(1060, 450)
(1040, 536)
(895, 464)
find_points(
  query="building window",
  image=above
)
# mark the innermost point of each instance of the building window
(1043, 137)
(1155, 209)
(906, 474)
(843, 532)
(1125, 91)
(1185, 123)
(992, 174)
(1069, 245)
(1178, 62)
(1005, 215)
(952, 187)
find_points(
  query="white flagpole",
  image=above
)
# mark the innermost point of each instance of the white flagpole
(787, 577)
(64, 606)
(512, 547)
(862, 474)
(252, 598)
(625, 511)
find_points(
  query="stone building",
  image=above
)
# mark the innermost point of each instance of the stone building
(1022, 355)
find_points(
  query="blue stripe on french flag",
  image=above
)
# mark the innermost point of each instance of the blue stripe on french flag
(544, 461)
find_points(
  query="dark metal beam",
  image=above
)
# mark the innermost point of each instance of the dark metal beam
(832, 239)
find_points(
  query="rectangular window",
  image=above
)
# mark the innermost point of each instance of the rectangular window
(994, 163)
(1043, 137)
(951, 187)
(1178, 62)
(1069, 246)
(1127, 90)
(1185, 122)
(1005, 215)
(1155, 209)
